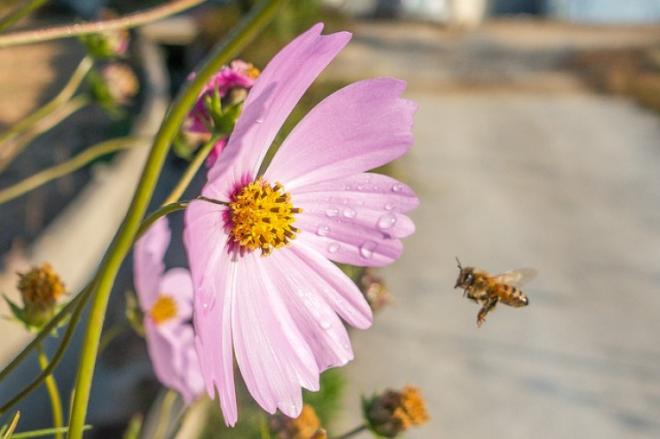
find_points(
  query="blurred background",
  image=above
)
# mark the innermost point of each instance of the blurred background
(537, 144)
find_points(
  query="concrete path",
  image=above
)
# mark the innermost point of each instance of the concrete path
(568, 183)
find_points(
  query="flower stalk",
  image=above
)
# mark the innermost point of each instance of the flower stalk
(53, 394)
(88, 155)
(222, 54)
(72, 30)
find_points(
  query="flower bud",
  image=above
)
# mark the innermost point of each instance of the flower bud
(40, 290)
(305, 426)
(106, 45)
(114, 86)
(374, 290)
(394, 412)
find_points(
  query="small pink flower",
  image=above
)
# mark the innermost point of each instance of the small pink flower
(239, 75)
(166, 301)
(266, 290)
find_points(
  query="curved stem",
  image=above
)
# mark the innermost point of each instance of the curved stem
(66, 339)
(72, 30)
(352, 433)
(126, 235)
(20, 12)
(21, 142)
(191, 170)
(64, 95)
(43, 432)
(53, 393)
(46, 330)
(62, 169)
(164, 210)
(165, 411)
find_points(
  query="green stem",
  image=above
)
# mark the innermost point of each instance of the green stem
(18, 144)
(46, 330)
(191, 170)
(44, 432)
(352, 433)
(19, 13)
(66, 339)
(72, 30)
(164, 416)
(164, 210)
(62, 169)
(63, 96)
(121, 245)
(53, 393)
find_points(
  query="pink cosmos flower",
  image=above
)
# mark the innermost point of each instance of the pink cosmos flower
(266, 290)
(166, 301)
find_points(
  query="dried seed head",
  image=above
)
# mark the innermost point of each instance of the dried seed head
(305, 426)
(394, 412)
(40, 290)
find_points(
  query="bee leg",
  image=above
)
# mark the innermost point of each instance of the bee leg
(488, 306)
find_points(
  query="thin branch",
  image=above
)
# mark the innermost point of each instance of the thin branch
(17, 146)
(53, 393)
(17, 14)
(62, 169)
(44, 110)
(72, 30)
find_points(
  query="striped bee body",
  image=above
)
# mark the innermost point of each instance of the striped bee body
(488, 290)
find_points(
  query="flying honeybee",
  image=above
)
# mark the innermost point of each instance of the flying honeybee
(487, 290)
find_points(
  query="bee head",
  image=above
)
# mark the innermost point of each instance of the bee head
(465, 276)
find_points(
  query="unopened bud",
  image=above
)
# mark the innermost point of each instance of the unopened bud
(374, 290)
(113, 86)
(40, 290)
(108, 44)
(305, 426)
(394, 412)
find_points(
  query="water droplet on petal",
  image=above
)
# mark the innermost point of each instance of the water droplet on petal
(259, 121)
(323, 230)
(349, 213)
(348, 187)
(360, 187)
(325, 323)
(333, 247)
(389, 206)
(397, 188)
(367, 249)
(332, 212)
(386, 221)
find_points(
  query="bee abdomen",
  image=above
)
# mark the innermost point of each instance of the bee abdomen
(513, 296)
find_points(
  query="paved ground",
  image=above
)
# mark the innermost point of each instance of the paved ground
(564, 182)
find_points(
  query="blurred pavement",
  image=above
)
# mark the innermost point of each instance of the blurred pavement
(558, 179)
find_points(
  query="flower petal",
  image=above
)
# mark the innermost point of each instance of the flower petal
(212, 273)
(177, 284)
(269, 103)
(304, 292)
(148, 266)
(358, 128)
(271, 353)
(174, 359)
(338, 290)
(372, 191)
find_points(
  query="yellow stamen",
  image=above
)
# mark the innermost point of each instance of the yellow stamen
(262, 217)
(163, 309)
(252, 72)
(412, 409)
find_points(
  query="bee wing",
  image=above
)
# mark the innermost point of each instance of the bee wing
(517, 277)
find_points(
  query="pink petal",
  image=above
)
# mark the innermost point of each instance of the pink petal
(148, 263)
(360, 127)
(272, 354)
(348, 243)
(177, 284)
(338, 290)
(173, 357)
(372, 191)
(205, 242)
(304, 292)
(269, 103)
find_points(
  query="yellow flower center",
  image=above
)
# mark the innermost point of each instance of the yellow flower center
(262, 217)
(163, 309)
(252, 72)
(40, 287)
